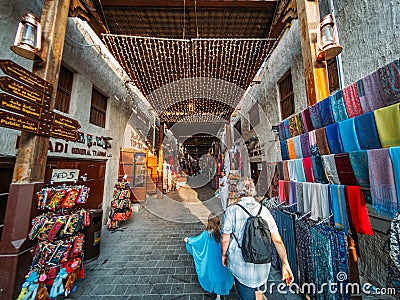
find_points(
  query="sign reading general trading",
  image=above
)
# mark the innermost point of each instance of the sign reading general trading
(35, 111)
(16, 71)
(23, 123)
(63, 175)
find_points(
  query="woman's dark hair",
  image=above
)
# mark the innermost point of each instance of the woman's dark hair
(214, 224)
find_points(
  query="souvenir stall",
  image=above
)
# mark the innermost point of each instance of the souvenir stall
(58, 255)
(338, 156)
(121, 209)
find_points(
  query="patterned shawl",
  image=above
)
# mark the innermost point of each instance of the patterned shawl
(351, 100)
(313, 143)
(305, 114)
(359, 163)
(325, 112)
(322, 142)
(293, 130)
(348, 135)
(338, 107)
(299, 123)
(305, 145)
(318, 169)
(284, 150)
(370, 92)
(330, 168)
(367, 133)
(282, 135)
(315, 117)
(389, 77)
(286, 128)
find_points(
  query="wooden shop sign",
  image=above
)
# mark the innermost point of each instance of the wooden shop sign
(35, 111)
(16, 71)
(23, 123)
(19, 89)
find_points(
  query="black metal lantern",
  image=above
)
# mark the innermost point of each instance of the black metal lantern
(28, 39)
(327, 39)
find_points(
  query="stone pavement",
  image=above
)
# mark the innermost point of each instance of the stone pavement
(147, 259)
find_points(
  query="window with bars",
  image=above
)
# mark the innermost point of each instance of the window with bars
(64, 89)
(286, 95)
(98, 108)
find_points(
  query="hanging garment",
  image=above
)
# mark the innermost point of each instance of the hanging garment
(325, 112)
(305, 145)
(345, 171)
(318, 170)
(300, 175)
(339, 207)
(395, 157)
(297, 146)
(357, 210)
(370, 92)
(280, 170)
(338, 108)
(383, 186)
(334, 140)
(308, 170)
(352, 101)
(330, 168)
(286, 176)
(348, 135)
(213, 276)
(389, 77)
(322, 142)
(303, 250)
(292, 192)
(286, 127)
(359, 164)
(305, 114)
(313, 143)
(292, 170)
(272, 180)
(367, 133)
(307, 196)
(299, 123)
(315, 116)
(299, 197)
(319, 201)
(387, 123)
(293, 130)
(394, 238)
(291, 150)
(282, 135)
(282, 195)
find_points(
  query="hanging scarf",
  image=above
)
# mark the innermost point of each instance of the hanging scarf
(285, 170)
(318, 169)
(325, 112)
(348, 135)
(305, 145)
(339, 207)
(357, 210)
(284, 150)
(383, 186)
(307, 196)
(282, 135)
(389, 76)
(351, 100)
(299, 123)
(303, 249)
(297, 146)
(308, 170)
(322, 142)
(308, 126)
(319, 201)
(367, 133)
(292, 170)
(293, 130)
(387, 122)
(313, 143)
(299, 197)
(292, 192)
(334, 140)
(345, 171)
(359, 163)
(286, 128)
(300, 175)
(330, 168)
(338, 108)
(315, 117)
(395, 157)
(281, 193)
(370, 92)
(280, 170)
(291, 150)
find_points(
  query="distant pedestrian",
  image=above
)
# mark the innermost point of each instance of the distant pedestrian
(223, 190)
(206, 251)
(250, 278)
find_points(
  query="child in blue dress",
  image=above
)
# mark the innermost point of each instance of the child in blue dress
(206, 251)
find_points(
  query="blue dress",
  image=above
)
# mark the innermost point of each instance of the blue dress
(206, 252)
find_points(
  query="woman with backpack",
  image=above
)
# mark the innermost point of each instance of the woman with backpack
(251, 270)
(206, 251)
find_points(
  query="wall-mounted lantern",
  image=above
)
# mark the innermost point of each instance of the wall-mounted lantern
(28, 39)
(327, 39)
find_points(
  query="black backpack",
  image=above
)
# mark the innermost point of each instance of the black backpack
(256, 244)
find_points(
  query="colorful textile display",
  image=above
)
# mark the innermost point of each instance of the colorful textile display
(359, 163)
(318, 170)
(352, 101)
(367, 133)
(121, 209)
(389, 76)
(284, 150)
(322, 142)
(325, 112)
(300, 175)
(383, 186)
(357, 211)
(286, 176)
(315, 116)
(395, 157)
(299, 123)
(291, 150)
(344, 169)
(305, 145)
(297, 146)
(305, 114)
(339, 207)
(348, 135)
(387, 123)
(338, 108)
(370, 92)
(308, 170)
(334, 140)
(313, 143)
(330, 168)
(293, 130)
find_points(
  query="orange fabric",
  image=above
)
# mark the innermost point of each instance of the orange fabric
(292, 152)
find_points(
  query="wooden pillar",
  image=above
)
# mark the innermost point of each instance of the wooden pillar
(31, 160)
(316, 74)
(160, 162)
